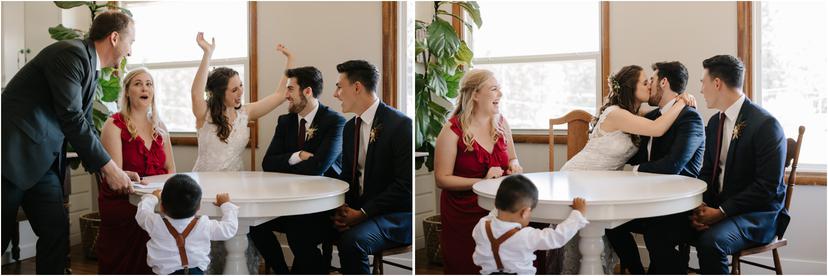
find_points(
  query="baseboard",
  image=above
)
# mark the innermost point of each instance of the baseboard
(789, 265)
(26, 251)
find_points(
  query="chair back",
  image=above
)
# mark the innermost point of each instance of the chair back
(577, 134)
(791, 160)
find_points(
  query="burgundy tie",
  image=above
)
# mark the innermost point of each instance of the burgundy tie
(357, 125)
(301, 139)
(715, 178)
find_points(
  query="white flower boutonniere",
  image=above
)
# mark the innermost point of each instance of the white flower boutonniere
(310, 132)
(737, 130)
(374, 133)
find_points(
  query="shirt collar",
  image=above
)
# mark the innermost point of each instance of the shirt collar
(667, 106)
(369, 114)
(504, 224)
(98, 59)
(733, 111)
(309, 118)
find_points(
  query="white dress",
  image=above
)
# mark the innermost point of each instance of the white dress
(605, 151)
(216, 155)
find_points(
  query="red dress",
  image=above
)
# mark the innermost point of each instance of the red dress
(459, 211)
(122, 244)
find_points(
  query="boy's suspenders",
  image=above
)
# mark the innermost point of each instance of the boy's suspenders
(179, 240)
(497, 242)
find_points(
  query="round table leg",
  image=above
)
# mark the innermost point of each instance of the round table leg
(236, 262)
(591, 246)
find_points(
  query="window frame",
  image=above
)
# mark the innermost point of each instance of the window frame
(748, 38)
(541, 136)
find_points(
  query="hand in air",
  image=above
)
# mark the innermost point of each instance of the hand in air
(284, 50)
(207, 47)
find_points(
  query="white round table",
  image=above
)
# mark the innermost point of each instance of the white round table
(613, 198)
(260, 196)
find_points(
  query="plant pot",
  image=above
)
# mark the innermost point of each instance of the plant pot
(432, 228)
(89, 225)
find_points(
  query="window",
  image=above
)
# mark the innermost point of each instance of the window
(173, 55)
(791, 72)
(548, 73)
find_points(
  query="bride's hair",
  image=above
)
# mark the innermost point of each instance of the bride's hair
(471, 83)
(216, 88)
(622, 87)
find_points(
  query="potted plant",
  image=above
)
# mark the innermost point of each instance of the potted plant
(443, 57)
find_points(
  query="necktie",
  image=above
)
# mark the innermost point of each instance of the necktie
(357, 125)
(715, 178)
(301, 139)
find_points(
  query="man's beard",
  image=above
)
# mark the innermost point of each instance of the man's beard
(656, 98)
(296, 107)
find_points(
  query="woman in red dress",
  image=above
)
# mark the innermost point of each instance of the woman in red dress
(475, 144)
(137, 141)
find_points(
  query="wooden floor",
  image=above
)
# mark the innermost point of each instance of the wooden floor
(424, 267)
(80, 264)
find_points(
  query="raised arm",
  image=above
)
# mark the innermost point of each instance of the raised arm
(262, 107)
(200, 81)
(631, 123)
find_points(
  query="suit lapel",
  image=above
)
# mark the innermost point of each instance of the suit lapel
(293, 131)
(91, 84)
(376, 126)
(316, 121)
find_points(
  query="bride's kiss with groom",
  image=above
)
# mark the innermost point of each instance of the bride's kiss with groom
(743, 163)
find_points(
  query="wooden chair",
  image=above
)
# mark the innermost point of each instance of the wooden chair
(577, 122)
(379, 261)
(791, 160)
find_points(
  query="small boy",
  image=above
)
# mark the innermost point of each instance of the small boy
(181, 199)
(504, 244)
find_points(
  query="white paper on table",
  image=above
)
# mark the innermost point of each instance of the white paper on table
(150, 186)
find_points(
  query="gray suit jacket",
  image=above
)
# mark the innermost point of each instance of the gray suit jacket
(47, 104)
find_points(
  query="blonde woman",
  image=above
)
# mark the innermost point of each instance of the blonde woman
(137, 141)
(475, 144)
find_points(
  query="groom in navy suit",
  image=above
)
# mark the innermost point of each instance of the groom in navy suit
(678, 151)
(377, 164)
(744, 166)
(308, 141)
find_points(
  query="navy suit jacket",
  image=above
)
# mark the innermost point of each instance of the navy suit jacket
(679, 150)
(47, 103)
(753, 193)
(388, 169)
(325, 144)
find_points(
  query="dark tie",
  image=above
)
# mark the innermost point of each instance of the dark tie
(301, 139)
(718, 155)
(357, 125)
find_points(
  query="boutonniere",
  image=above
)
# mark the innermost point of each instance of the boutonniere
(737, 130)
(310, 132)
(374, 133)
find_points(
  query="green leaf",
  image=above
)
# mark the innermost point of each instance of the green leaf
(449, 65)
(438, 84)
(473, 10)
(469, 26)
(110, 89)
(61, 32)
(464, 54)
(453, 85)
(71, 4)
(442, 40)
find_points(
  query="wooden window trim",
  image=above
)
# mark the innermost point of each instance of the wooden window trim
(605, 69)
(744, 29)
(389, 53)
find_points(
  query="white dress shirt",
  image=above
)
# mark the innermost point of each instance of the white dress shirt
(663, 110)
(364, 140)
(98, 59)
(294, 158)
(732, 114)
(162, 251)
(518, 252)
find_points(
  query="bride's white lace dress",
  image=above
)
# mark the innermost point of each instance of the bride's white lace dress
(605, 151)
(216, 155)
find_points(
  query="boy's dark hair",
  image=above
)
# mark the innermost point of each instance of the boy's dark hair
(516, 192)
(727, 68)
(307, 76)
(675, 72)
(360, 71)
(108, 22)
(181, 196)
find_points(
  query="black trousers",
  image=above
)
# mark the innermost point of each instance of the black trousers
(43, 205)
(661, 236)
(268, 245)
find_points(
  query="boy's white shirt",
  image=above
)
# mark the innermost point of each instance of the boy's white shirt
(518, 252)
(162, 251)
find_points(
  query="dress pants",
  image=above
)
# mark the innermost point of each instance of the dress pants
(716, 243)
(661, 236)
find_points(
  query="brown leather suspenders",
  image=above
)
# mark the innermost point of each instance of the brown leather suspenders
(179, 240)
(496, 242)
